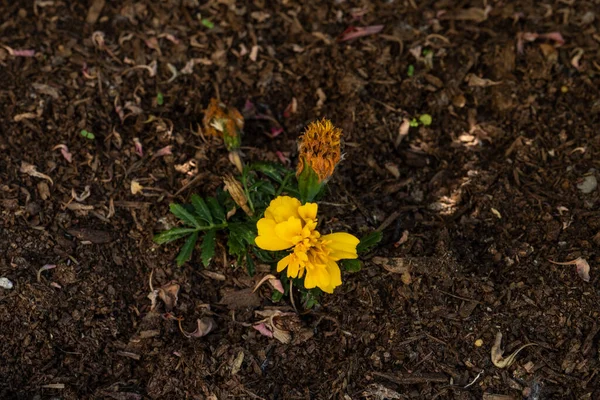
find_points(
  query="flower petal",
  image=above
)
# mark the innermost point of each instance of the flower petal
(308, 211)
(267, 239)
(290, 230)
(283, 263)
(283, 208)
(316, 276)
(342, 245)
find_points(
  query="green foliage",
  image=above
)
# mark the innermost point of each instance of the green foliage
(208, 246)
(160, 99)
(308, 184)
(186, 250)
(173, 234)
(426, 119)
(369, 241)
(411, 70)
(207, 23)
(351, 265)
(87, 134)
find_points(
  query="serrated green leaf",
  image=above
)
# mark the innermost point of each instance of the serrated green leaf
(180, 212)
(352, 265)
(241, 235)
(172, 234)
(186, 250)
(369, 241)
(216, 209)
(201, 208)
(208, 246)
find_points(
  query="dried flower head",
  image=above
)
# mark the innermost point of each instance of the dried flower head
(224, 122)
(320, 149)
(237, 193)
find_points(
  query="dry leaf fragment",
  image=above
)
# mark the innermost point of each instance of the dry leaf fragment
(205, 326)
(276, 283)
(237, 363)
(136, 187)
(354, 32)
(394, 265)
(31, 170)
(583, 268)
(496, 353)
(21, 117)
(168, 293)
(475, 81)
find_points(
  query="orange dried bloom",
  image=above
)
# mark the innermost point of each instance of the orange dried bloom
(224, 122)
(320, 148)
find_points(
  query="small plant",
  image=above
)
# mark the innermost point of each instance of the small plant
(87, 134)
(277, 223)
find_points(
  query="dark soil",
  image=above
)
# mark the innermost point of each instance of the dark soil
(476, 203)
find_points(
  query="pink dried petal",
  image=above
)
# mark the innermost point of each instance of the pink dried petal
(205, 326)
(138, 147)
(262, 328)
(64, 150)
(164, 151)
(23, 53)
(276, 132)
(248, 107)
(277, 285)
(284, 160)
(354, 32)
(556, 36)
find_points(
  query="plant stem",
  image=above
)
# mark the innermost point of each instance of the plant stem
(285, 181)
(246, 191)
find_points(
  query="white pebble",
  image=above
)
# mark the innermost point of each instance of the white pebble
(588, 185)
(5, 283)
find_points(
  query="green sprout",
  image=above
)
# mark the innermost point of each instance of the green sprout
(87, 135)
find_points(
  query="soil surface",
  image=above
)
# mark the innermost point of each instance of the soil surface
(472, 206)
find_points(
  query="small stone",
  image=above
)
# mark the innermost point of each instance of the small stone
(5, 283)
(588, 185)
(478, 343)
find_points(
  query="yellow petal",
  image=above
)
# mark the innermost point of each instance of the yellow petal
(316, 276)
(342, 245)
(267, 239)
(283, 263)
(290, 230)
(308, 211)
(335, 275)
(293, 267)
(283, 208)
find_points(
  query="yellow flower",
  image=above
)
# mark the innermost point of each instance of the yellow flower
(289, 225)
(320, 149)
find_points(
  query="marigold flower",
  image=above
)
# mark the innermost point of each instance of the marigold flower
(289, 225)
(320, 149)
(224, 122)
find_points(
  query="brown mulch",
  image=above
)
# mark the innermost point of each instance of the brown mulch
(472, 207)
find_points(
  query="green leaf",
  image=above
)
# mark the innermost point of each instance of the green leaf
(186, 250)
(216, 209)
(207, 23)
(87, 135)
(411, 70)
(250, 266)
(160, 99)
(369, 241)
(414, 123)
(180, 212)
(276, 296)
(352, 265)
(308, 184)
(277, 172)
(201, 208)
(172, 234)
(208, 246)
(241, 235)
(426, 119)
